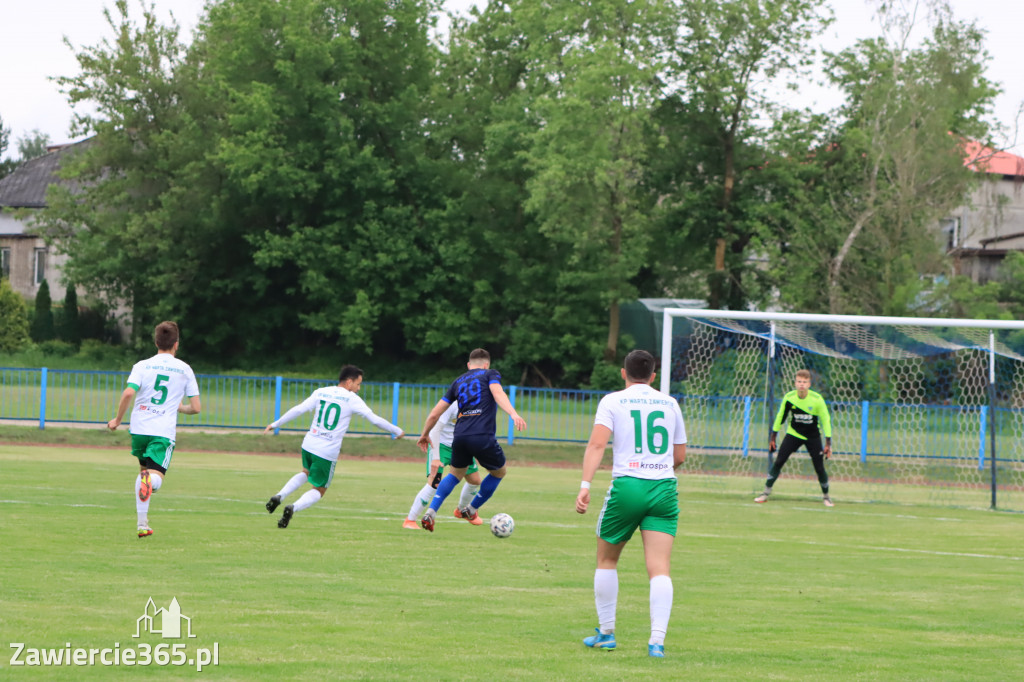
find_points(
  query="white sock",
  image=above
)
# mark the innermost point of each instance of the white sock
(606, 595)
(142, 508)
(308, 499)
(423, 498)
(468, 493)
(294, 484)
(661, 607)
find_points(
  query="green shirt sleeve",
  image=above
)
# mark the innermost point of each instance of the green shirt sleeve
(826, 421)
(777, 426)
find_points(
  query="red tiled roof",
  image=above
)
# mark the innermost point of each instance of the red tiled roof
(984, 159)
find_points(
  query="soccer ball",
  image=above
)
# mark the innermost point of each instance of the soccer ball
(502, 525)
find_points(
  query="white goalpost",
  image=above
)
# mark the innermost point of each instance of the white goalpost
(924, 410)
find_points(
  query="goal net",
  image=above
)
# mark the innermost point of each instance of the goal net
(924, 411)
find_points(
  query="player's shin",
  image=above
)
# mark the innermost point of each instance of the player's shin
(423, 498)
(141, 507)
(487, 488)
(308, 499)
(469, 492)
(661, 607)
(606, 597)
(444, 489)
(293, 484)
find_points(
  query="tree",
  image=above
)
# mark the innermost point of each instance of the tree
(349, 220)
(70, 329)
(123, 212)
(277, 166)
(14, 331)
(606, 63)
(731, 51)
(899, 156)
(42, 320)
(998, 299)
(33, 144)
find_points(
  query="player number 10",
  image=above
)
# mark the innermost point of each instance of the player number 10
(655, 445)
(328, 415)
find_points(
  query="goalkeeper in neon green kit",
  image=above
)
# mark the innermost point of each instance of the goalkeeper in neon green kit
(808, 423)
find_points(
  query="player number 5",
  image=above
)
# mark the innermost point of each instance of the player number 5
(161, 389)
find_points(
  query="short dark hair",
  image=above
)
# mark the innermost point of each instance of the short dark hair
(640, 365)
(479, 354)
(166, 335)
(349, 372)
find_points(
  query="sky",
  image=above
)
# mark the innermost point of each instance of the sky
(32, 50)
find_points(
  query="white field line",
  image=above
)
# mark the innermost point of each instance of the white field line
(374, 515)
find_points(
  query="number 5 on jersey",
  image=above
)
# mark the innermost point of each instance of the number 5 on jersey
(161, 389)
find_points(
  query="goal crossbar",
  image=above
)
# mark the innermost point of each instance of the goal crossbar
(670, 313)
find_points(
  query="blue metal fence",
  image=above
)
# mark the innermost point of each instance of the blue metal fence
(41, 395)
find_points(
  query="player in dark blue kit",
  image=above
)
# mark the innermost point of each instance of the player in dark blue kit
(478, 393)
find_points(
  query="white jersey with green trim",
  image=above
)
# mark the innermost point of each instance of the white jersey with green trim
(160, 384)
(447, 421)
(333, 408)
(645, 425)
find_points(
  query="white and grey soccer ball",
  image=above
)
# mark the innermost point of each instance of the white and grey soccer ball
(502, 525)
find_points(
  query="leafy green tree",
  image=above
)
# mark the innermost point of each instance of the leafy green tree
(14, 330)
(999, 299)
(33, 144)
(899, 155)
(42, 320)
(325, 131)
(531, 299)
(486, 246)
(789, 205)
(70, 328)
(153, 191)
(730, 52)
(605, 62)
(124, 213)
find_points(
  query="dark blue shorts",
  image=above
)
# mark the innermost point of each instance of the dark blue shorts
(484, 449)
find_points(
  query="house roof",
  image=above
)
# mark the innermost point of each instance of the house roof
(984, 159)
(26, 186)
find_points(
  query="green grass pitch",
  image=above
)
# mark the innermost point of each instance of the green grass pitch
(784, 591)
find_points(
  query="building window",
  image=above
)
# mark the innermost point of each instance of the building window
(5, 262)
(40, 267)
(951, 228)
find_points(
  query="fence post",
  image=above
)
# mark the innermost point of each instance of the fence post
(395, 388)
(277, 402)
(981, 444)
(42, 399)
(746, 425)
(511, 424)
(864, 408)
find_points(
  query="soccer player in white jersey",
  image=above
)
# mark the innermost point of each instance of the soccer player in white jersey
(333, 407)
(439, 456)
(649, 443)
(157, 387)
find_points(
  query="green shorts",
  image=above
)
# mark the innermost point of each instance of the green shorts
(156, 448)
(321, 470)
(446, 459)
(634, 503)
